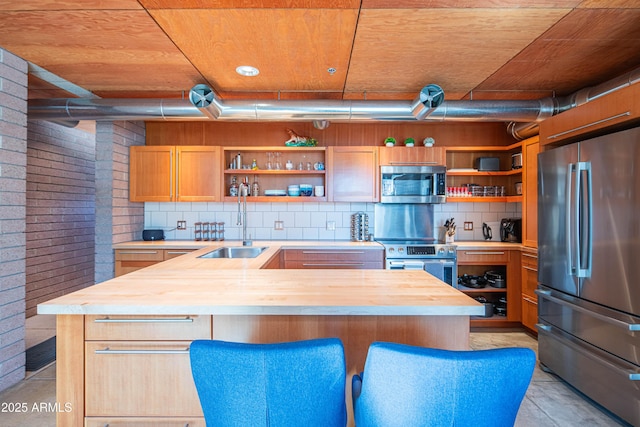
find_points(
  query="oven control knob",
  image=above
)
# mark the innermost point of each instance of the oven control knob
(452, 251)
(400, 250)
(441, 251)
(391, 250)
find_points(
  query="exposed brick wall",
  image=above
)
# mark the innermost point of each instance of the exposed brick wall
(118, 219)
(13, 170)
(60, 211)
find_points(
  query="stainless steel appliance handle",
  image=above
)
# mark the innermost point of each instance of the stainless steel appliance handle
(406, 265)
(568, 223)
(632, 327)
(146, 320)
(571, 342)
(583, 220)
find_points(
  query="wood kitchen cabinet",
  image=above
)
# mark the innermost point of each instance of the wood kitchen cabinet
(606, 114)
(305, 171)
(334, 258)
(129, 358)
(174, 174)
(460, 171)
(352, 174)
(477, 262)
(412, 156)
(128, 260)
(529, 263)
(530, 150)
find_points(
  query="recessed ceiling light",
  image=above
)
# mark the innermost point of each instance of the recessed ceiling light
(247, 70)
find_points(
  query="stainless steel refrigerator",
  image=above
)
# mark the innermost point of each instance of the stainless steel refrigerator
(589, 268)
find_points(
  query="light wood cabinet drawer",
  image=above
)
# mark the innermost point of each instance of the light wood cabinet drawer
(139, 379)
(530, 260)
(334, 258)
(149, 328)
(529, 313)
(482, 256)
(345, 255)
(144, 422)
(140, 255)
(174, 253)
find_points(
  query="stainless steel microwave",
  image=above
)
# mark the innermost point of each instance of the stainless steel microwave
(413, 184)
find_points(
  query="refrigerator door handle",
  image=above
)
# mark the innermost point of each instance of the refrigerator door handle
(569, 224)
(583, 219)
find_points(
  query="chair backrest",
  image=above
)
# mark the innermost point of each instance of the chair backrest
(415, 386)
(298, 383)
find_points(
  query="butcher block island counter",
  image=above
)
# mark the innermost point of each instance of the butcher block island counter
(122, 352)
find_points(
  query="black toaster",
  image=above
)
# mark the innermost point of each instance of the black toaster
(149, 235)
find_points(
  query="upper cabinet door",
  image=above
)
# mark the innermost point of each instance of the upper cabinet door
(198, 174)
(151, 174)
(530, 150)
(352, 174)
(413, 156)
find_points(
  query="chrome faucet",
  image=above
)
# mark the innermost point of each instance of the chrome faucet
(243, 190)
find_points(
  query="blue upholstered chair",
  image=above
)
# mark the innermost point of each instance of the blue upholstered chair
(298, 383)
(404, 385)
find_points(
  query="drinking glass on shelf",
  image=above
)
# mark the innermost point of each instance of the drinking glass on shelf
(278, 161)
(269, 160)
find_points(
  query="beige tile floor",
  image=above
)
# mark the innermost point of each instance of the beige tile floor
(548, 402)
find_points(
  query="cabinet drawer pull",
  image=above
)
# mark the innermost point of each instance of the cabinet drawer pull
(529, 300)
(332, 252)
(329, 264)
(617, 116)
(530, 255)
(178, 252)
(484, 253)
(138, 252)
(134, 351)
(414, 163)
(134, 320)
(530, 268)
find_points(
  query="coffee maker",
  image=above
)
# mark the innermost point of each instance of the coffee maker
(511, 230)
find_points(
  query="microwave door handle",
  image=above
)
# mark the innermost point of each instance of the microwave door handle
(583, 219)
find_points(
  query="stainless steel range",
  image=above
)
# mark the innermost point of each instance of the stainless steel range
(407, 233)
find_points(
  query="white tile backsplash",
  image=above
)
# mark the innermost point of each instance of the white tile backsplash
(308, 221)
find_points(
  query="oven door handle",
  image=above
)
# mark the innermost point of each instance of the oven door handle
(406, 265)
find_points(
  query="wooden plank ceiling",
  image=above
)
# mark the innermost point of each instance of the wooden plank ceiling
(480, 49)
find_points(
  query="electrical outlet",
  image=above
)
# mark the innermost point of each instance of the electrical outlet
(468, 225)
(278, 225)
(331, 225)
(182, 225)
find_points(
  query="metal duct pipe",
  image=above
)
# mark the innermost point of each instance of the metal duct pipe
(526, 130)
(74, 109)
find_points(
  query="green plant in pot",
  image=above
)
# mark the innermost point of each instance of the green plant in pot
(390, 142)
(409, 142)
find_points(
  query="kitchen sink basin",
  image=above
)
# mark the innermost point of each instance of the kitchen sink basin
(234, 252)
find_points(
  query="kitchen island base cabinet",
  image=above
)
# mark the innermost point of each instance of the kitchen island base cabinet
(334, 258)
(119, 382)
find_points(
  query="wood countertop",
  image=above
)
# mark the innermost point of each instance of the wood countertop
(192, 285)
